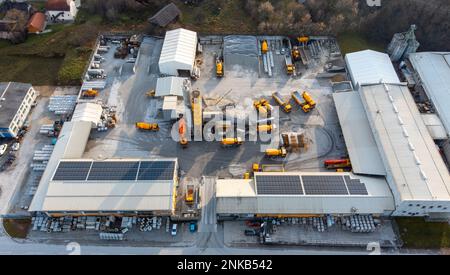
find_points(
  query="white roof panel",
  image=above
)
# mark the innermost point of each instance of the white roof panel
(368, 67)
(433, 69)
(169, 86)
(361, 145)
(407, 149)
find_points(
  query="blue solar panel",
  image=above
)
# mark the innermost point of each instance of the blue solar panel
(72, 170)
(156, 170)
(113, 170)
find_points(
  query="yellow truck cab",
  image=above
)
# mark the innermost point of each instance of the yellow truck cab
(284, 104)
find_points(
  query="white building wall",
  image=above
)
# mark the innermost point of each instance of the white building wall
(23, 111)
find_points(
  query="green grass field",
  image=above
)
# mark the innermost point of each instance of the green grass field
(353, 42)
(416, 233)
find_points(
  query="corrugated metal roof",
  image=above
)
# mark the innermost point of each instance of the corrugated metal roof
(407, 149)
(71, 144)
(165, 15)
(57, 5)
(169, 86)
(170, 103)
(88, 112)
(178, 51)
(361, 146)
(369, 67)
(239, 196)
(433, 69)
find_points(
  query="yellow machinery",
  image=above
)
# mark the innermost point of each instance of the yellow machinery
(247, 176)
(231, 141)
(90, 93)
(256, 167)
(303, 39)
(302, 102)
(276, 152)
(189, 194)
(267, 168)
(296, 54)
(264, 47)
(266, 128)
(219, 67)
(147, 126)
(151, 93)
(262, 106)
(284, 104)
(290, 67)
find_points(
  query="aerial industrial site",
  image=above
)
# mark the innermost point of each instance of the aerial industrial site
(199, 143)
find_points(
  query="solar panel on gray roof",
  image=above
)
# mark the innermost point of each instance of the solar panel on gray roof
(324, 185)
(156, 170)
(355, 186)
(278, 185)
(72, 170)
(113, 170)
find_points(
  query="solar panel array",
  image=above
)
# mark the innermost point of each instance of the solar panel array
(150, 170)
(324, 185)
(114, 170)
(312, 185)
(355, 186)
(279, 185)
(72, 170)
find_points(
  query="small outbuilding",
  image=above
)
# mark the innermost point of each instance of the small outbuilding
(178, 53)
(37, 23)
(170, 86)
(165, 15)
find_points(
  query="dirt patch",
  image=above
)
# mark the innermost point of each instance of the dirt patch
(17, 228)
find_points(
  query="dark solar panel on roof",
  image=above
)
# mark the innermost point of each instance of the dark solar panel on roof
(113, 170)
(279, 185)
(72, 170)
(324, 185)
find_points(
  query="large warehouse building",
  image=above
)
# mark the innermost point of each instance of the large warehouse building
(16, 100)
(178, 53)
(73, 185)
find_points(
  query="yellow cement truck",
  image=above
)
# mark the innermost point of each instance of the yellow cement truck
(273, 153)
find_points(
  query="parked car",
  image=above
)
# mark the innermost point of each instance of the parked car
(173, 232)
(250, 232)
(3, 148)
(15, 146)
(193, 227)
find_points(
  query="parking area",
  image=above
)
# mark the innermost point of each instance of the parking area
(295, 232)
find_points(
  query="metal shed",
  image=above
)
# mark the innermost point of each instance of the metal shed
(178, 52)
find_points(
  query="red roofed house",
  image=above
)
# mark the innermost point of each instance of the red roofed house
(62, 10)
(37, 23)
